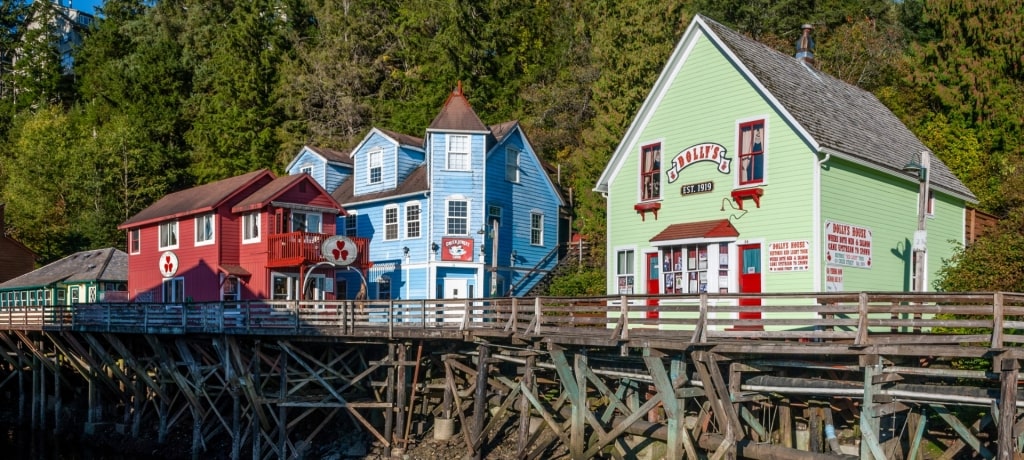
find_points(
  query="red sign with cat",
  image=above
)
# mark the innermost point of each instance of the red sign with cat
(457, 249)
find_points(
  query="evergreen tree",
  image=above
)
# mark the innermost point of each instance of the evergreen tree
(36, 72)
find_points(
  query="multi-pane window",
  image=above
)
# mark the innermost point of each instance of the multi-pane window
(230, 289)
(412, 220)
(174, 290)
(458, 152)
(512, 165)
(306, 170)
(204, 229)
(250, 227)
(624, 271)
(169, 235)
(376, 162)
(494, 214)
(752, 152)
(457, 222)
(536, 228)
(650, 172)
(384, 288)
(134, 243)
(350, 224)
(306, 222)
(391, 223)
(685, 269)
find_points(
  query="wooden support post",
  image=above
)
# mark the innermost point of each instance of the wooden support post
(577, 428)
(814, 427)
(401, 396)
(480, 400)
(163, 413)
(21, 385)
(137, 405)
(1008, 373)
(389, 397)
(282, 409)
(257, 386)
(526, 387)
(786, 423)
(918, 423)
(35, 392)
(57, 400)
(869, 423)
(231, 381)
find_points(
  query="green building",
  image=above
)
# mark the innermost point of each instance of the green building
(750, 171)
(98, 275)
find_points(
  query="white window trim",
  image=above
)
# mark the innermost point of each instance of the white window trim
(541, 214)
(379, 153)
(384, 217)
(516, 171)
(160, 236)
(213, 227)
(135, 237)
(418, 221)
(469, 212)
(468, 152)
(615, 267)
(259, 227)
(355, 221)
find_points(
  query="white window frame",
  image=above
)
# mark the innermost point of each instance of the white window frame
(177, 286)
(227, 296)
(458, 153)
(536, 231)
(247, 219)
(308, 169)
(352, 224)
(200, 221)
(390, 222)
(625, 271)
(135, 240)
(413, 223)
(172, 227)
(382, 282)
(375, 166)
(449, 219)
(512, 158)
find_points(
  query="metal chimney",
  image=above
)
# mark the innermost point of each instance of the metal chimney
(805, 45)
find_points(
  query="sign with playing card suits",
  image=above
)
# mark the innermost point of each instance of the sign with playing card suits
(168, 264)
(339, 250)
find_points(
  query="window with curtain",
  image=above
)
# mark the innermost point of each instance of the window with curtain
(650, 172)
(752, 155)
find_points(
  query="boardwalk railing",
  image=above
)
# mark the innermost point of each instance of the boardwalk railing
(989, 319)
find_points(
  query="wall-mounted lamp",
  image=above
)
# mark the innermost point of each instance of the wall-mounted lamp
(405, 250)
(434, 247)
(513, 258)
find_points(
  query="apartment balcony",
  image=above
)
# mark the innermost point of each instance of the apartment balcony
(303, 248)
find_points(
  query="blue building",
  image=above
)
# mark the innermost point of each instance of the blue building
(469, 211)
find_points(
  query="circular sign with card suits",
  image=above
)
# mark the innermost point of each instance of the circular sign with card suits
(168, 264)
(339, 250)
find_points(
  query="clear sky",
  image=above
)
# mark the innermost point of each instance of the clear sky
(88, 6)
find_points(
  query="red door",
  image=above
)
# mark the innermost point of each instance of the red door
(750, 278)
(653, 284)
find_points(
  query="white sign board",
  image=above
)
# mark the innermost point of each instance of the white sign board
(833, 279)
(789, 256)
(847, 245)
(339, 250)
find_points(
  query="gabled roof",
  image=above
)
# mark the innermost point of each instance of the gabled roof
(720, 228)
(833, 116)
(404, 139)
(196, 199)
(500, 130)
(268, 193)
(457, 115)
(415, 182)
(329, 155)
(108, 264)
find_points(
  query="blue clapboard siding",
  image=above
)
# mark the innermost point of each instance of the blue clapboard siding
(329, 175)
(389, 164)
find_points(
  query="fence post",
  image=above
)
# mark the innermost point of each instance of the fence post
(862, 322)
(391, 319)
(997, 320)
(624, 316)
(537, 314)
(513, 322)
(465, 315)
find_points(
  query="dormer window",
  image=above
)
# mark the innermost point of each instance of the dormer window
(458, 153)
(376, 163)
(752, 153)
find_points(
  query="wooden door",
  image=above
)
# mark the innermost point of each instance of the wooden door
(653, 277)
(750, 279)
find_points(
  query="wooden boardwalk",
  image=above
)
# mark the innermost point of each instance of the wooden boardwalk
(682, 371)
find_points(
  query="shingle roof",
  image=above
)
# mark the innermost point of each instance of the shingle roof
(195, 199)
(457, 115)
(266, 194)
(331, 154)
(107, 264)
(838, 115)
(501, 130)
(415, 182)
(404, 139)
(720, 228)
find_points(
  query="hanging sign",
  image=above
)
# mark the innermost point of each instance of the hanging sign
(339, 250)
(847, 245)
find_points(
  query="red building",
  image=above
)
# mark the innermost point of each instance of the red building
(253, 236)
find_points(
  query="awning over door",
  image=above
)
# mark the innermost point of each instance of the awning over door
(720, 228)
